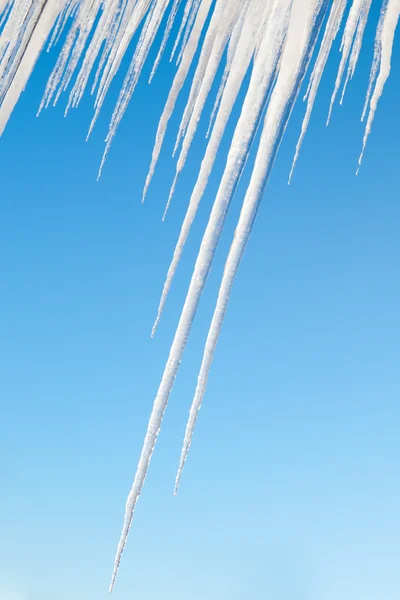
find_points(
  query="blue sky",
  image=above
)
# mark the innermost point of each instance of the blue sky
(291, 490)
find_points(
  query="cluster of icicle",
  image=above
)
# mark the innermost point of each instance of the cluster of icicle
(273, 41)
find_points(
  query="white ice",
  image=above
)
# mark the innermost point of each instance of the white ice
(255, 54)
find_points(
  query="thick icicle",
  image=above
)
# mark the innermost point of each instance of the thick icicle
(46, 18)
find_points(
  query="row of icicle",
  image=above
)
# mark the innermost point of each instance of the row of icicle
(273, 41)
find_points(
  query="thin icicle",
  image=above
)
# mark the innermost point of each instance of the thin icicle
(332, 27)
(206, 51)
(376, 59)
(167, 33)
(209, 74)
(66, 13)
(178, 82)
(387, 32)
(186, 14)
(150, 29)
(347, 41)
(105, 24)
(188, 28)
(355, 51)
(128, 27)
(232, 48)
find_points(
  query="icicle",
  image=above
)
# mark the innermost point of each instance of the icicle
(178, 82)
(200, 95)
(386, 36)
(186, 15)
(241, 143)
(43, 24)
(146, 39)
(188, 28)
(331, 30)
(167, 33)
(240, 65)
(348, 37)
(301, 35)
(355, 51)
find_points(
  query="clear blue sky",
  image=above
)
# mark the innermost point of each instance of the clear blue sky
(291, 490)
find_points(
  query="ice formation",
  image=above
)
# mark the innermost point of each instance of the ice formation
(272, 42)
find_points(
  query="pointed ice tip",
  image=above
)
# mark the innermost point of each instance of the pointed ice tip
(178, 479)
(155, 325)
(177, 144)
(145, 189)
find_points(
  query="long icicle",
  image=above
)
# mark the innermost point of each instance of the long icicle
(239, 68)
(301, 36)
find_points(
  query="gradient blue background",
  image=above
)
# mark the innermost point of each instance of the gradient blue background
(292, 489)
